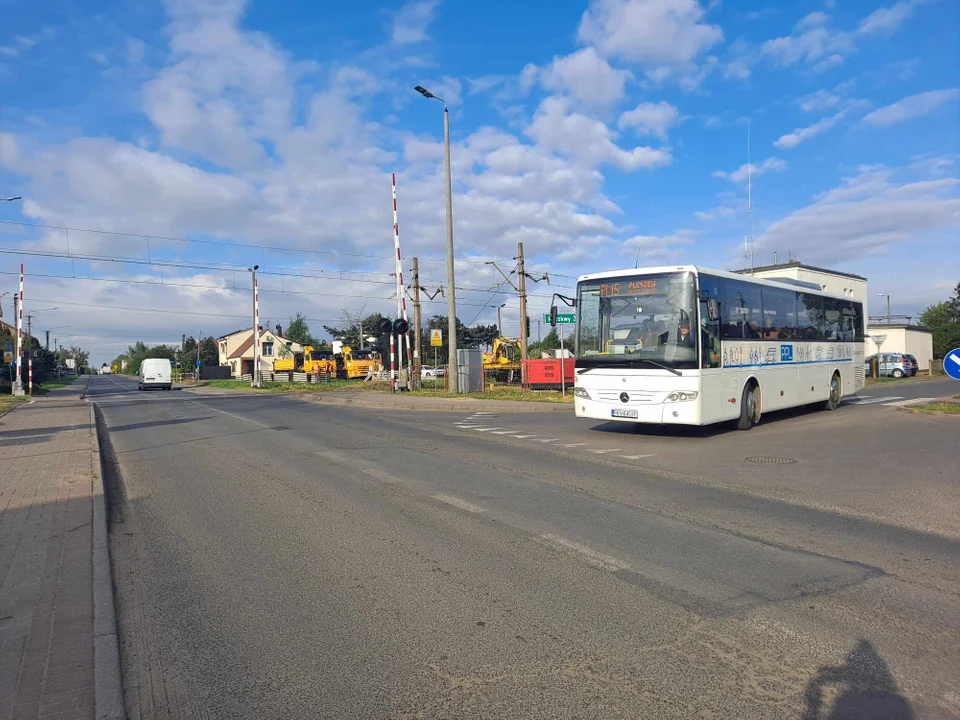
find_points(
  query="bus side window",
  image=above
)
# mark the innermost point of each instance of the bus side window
(711, 315)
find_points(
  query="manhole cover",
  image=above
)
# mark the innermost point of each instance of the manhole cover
(766, 459)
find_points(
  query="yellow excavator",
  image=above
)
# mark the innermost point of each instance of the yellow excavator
(356, 364)
(309, 361)
(503, 361)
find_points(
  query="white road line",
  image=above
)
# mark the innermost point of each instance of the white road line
(903, 403)
(599, 560)
(523, 437)
(481, 429)
(481, 412)
(574, 444)
(458, 503)
(382, 475)
(507, 432)
(548, 440)
(635, 457)
(601, 452)
(870, 400)
(233, 415)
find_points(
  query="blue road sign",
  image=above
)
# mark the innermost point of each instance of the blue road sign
(198, 362)
(951, 364)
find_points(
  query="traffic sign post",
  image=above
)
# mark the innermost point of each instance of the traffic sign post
(436, 338)
(951, 364)
(562, 318)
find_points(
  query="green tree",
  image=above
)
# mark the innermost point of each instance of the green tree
(298, 331)
(944, 320)
(350, 324)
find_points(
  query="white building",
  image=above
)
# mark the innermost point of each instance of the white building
(236, 350)
(902, 338)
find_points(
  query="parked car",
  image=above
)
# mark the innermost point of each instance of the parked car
(914, 365)
(429, 371)
(894, 365)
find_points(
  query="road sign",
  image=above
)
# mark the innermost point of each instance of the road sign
(198, 362)
(7, 356)
(562, 318)
(436, 338)
(951, 364)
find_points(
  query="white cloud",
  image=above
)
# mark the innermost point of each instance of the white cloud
(586, 76)
(409, 23)
(556, 127)
(721, 211)
(792, 139)
(868, 213)
(648, 32)
(887, 20)
(819, 101)
(739, 175)
(738, 69)
(659, 248)
(913, 107)
(651, 119)
(812, 42)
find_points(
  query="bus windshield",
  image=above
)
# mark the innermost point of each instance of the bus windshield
(638, 321)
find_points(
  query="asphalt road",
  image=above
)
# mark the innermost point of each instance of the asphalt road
(278, 558)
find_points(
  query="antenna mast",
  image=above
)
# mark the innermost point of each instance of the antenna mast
(750, 195)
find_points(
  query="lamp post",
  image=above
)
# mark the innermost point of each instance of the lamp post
(11, 199)
(499, 321)
(451, 296)
(887, 296)
(255, 375)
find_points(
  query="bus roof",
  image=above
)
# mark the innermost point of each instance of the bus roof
(769, 282)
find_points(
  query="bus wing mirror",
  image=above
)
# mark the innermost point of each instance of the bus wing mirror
(553, 316)
(713, 309)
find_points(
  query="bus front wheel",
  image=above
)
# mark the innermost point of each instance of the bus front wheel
(748, 407)
(836, 393)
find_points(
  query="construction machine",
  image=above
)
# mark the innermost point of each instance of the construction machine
(356, 364)
(503, 361)
(309, 361)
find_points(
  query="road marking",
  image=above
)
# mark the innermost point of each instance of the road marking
(458, 503)
(507, 432)
(595, 559)
(574, 444)
(482, 429)
(904, 403)
(523, 437)
(601, 452)
(484, 412)
(870, 400)
(234, 415)
(549, 440)
(635, 457)
(383, 476)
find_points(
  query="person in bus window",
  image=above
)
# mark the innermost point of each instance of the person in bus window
(685, 339)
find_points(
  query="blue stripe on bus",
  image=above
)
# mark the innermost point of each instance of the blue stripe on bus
(795, 362)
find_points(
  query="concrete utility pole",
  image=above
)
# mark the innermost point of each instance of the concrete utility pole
(522, 291)
(255, 375)
(500, 319)
(417, 339)
(452, 375)
(47, 345)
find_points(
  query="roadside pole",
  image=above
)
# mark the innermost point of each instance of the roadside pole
(563, 374)
(17, 387)
(30, 375)
(522, 291)
(417, 339)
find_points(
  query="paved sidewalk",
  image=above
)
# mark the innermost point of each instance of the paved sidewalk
(50, 490)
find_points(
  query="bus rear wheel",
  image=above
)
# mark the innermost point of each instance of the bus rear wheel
(836, 393)
(748, 407)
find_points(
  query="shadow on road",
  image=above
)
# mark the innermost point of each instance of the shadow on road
(43, 430)
(156, 423)
(863, 688)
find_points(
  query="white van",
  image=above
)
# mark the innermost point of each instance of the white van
(154, 372)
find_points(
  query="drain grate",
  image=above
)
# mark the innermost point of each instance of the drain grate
(766, 459)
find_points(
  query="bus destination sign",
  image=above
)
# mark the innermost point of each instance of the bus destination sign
(628, 288)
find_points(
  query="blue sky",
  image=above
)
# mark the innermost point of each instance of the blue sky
(589, 130)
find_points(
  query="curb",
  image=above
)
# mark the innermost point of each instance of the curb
(107, 679)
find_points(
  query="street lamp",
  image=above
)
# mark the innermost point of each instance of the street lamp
(11, 199)
(499, 321)
(887, 296)
(451, 298)
(255, 375)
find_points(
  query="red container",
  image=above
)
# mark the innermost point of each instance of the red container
(546, 373)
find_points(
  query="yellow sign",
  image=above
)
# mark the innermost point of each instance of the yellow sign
(8, 357)
(436, 338)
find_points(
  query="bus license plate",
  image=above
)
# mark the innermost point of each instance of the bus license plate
(623, 413)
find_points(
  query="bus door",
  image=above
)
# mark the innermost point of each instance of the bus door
(711, 371)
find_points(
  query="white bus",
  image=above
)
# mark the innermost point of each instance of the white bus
(691, 346)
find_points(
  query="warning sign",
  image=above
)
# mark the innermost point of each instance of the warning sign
(436, 338)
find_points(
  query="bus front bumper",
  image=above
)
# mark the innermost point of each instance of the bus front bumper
(664, 413)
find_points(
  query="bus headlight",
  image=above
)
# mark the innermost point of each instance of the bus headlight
(682, 396)
(581, 393)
